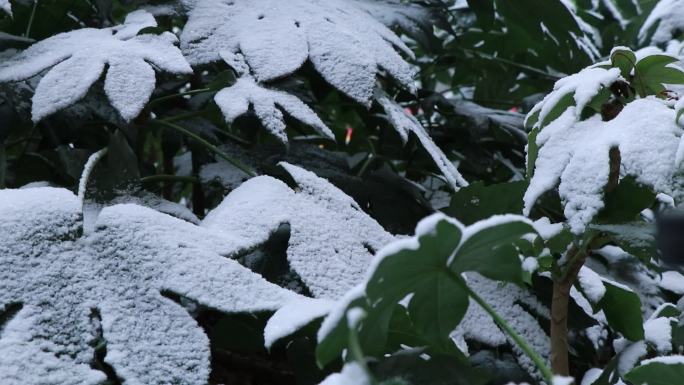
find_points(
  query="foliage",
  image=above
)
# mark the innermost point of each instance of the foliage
(224, 191)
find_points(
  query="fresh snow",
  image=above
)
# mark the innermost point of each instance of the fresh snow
(591, 284)
(405, 125)
(6, 6)
(78, 58)
(268, 105)
(672, 281)
(352, 374)
(332, 241)
(576, 155)
(343, 41)
(669, 360)
(294, 316)
(630, 356)
(658, 331)
(669, 14)
(530, 264)
(546, 229)
(584, 85)
(110, 282)
(591, 375)
(506, 299)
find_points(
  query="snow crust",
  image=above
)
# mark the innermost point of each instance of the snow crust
(343, 41)
(74, 288)
(332, 241)
(294, 316)
(575, 156)
(669, 14)
(405, 125)
(78, 58)
(268, 106)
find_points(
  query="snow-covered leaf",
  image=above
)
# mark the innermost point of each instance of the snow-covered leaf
(77, 59)
(576, 156)
(6, 6)
(332, 241)
(578, 90)
(619, 303)
(664, 23)
(293, 317)
(342, 40)
(75, 291)
(405, 125)
(667, 370)
(426, 268)
(268, 106)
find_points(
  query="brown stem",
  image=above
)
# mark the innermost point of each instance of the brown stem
(560, 363)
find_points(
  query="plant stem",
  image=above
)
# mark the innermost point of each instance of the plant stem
(179, 95)
(246, 169)
(560, 362)
(30, 22)
(88, 171)
(522, 344)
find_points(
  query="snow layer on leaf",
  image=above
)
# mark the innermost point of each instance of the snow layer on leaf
(592, 284)
(584, 85)
(630, 356)
(410, 17)
(577, 155)
(268, 106)
(405, 124)
(294, 316)
(670, 360)
(672, 281)
(332, 241)
(78, 58)
(669, 15)
(352, 373)
(658, 331)
(6, 6)
(343, 41)
(506, 299)
(109, 282)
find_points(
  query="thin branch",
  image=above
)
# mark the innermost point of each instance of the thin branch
(244, 168)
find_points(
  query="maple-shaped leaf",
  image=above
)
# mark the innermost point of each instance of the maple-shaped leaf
(63, 294)
(77, 59)
(575, 156)
(6, 6)
(332, 241)
(343, 41)
(405, 125)
(268, 106)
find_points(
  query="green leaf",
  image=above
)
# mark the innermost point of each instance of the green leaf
(623, 311)
(565, 102)
(657, 373)
(484, 11)
(625, 202)
(477, 201)
(625, 60)
(652, 73)
(490, 251)
(438, 303)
